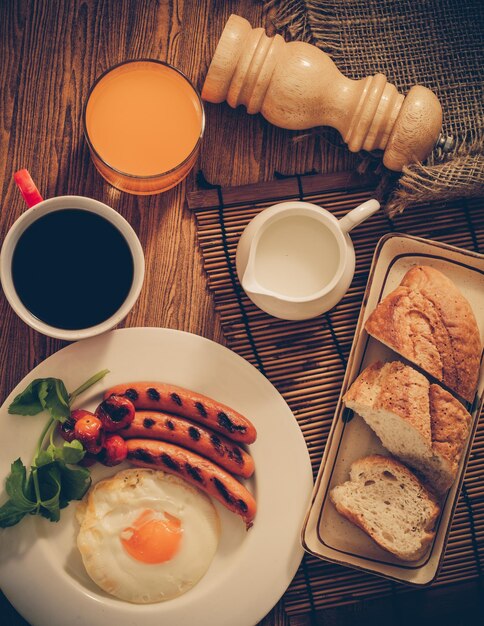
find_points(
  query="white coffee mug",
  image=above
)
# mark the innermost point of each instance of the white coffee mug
(56, 204)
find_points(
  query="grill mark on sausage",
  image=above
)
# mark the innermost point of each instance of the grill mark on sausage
(201, 409)
(169, 462)
(228, 497)
(235, 455)
(141, 455)
(223, 491)
(132, 394)
(153, 394)
(242, 506)
(217, 444)
(225, 422)
(176, 399)
(194, 433)
(194, 472)
(148, 422)
(170, 425)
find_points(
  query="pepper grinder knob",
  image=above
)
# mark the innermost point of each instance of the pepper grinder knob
(297, 86)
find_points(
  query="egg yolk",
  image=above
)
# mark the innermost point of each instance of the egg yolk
(151, 539)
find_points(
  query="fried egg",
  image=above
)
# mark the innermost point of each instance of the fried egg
(146, 536)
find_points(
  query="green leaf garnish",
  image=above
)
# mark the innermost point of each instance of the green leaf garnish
(75, 482)
(56, 400)
(28, 401)
(43, 394)
(50, 488)
(43, 458)
(71, 452)
(10, 514)
(17, 488)
(51, 483)
(89, 383)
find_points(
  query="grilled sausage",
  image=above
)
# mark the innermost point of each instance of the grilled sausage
(196, 470)
(203, 441)
(190, 404)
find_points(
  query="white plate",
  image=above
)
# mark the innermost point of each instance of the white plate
(41, 571)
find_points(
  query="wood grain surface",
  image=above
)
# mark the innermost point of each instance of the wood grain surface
(50, 53)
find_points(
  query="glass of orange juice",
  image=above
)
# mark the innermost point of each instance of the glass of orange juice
(143, 122)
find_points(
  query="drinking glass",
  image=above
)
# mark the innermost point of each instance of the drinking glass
(143, 121)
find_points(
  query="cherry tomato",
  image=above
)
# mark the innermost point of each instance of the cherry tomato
(66, 429)
(88, 430)
(76, 414)
(115, 413)
(115, 450)
(88, 459)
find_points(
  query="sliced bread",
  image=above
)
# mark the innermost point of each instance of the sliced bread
(428, 321)
(390, 504)
(418, 422)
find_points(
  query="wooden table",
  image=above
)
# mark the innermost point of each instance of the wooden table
(51, 52)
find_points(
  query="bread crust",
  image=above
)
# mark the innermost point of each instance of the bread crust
(450, 424)
(394, 387)
(429, 322)
(439, 418)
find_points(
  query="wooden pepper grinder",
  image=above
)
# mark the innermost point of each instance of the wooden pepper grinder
(295, 85)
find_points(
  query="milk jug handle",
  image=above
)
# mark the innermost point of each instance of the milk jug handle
(358, 215)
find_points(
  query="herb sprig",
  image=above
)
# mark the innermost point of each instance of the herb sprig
(50, 484)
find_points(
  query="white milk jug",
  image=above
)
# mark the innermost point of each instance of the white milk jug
(295, 260)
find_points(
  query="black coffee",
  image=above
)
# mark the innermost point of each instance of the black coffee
(72, 269)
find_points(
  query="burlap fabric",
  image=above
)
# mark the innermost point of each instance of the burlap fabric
(435, 43)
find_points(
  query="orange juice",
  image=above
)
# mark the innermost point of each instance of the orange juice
(143, 122)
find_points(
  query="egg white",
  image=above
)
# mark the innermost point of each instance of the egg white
(114, 504)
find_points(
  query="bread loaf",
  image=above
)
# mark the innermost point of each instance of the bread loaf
(389, 503)
(429, 322)
(418, 422)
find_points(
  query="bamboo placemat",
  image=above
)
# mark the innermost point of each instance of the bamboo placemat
(306, 360)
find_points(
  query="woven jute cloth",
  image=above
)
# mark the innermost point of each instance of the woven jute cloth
(435, 43)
